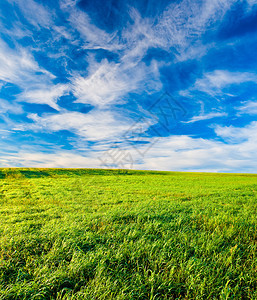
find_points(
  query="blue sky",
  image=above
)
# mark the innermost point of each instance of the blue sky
(162, 85)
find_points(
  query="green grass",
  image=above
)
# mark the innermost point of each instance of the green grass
(118, 234)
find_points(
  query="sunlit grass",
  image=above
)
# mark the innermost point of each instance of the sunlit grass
(117, 234)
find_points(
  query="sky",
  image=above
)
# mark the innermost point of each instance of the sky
(136, 84)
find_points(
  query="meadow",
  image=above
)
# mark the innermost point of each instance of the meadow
(121, 234)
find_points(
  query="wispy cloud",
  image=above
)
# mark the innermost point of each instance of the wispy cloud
(18, 66)
(208, 116)
(251, 2)
(7, 107)
(182, 23)
(93, 37)
(96, 125)
(196, 154)
(247, 107)
(176, 27)
(35, 13)
(45, 94)
(238, 134)
(213, 82)
(39, 159)
(170, 153)
(107, 82)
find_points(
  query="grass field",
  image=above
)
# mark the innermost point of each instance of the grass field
(117, 234)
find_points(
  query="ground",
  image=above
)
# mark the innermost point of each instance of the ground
(119, 234)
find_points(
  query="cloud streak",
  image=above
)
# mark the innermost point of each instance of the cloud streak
(213, 83)
(207, 117)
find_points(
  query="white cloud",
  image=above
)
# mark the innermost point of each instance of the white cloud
(93, 37)
(104, 85)
(16, 31)
(9, 107)
(247, 107)
(18, 66)
(174, 153)
(179, 25)
(96, 125)
(184, 153)
(139, 36)
(237, 134)
(251, 2)
(47, 160)
(107, 83)
(35, 13)
(67, 4)
(45, 94)
(62, 31)
(206, 117)
(182, 24)
(215, 81)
